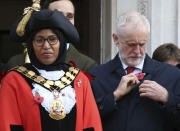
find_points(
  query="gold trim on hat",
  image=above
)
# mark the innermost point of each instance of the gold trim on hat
(27, 14)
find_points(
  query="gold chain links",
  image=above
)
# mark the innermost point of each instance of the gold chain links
(64, 81)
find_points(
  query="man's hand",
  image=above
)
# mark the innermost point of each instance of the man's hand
(126, 84)
(154, 91)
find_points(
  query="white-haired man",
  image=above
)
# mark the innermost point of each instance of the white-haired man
(134, 92)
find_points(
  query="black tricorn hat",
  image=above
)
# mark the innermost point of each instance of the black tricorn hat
(45, 19)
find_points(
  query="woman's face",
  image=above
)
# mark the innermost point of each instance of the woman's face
(46, 46)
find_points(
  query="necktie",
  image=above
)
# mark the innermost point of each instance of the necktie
(130, 69)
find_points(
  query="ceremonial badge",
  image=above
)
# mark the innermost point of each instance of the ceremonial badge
(57, 110)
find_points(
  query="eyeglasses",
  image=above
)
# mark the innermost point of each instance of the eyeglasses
(39, 40)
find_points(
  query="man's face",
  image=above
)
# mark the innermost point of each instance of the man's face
(132, 46)
(65, 7)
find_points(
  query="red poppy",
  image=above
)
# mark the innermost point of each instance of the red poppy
(140, 76)
(38, 99)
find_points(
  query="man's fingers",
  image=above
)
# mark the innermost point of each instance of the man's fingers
(148, 84)
(143, 90)
(146, 94)
(132, 77)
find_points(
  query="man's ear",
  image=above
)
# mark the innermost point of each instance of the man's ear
(116, 39)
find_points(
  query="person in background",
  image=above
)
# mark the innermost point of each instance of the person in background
(47, 94)
(168, 53)
(132, 91)
(73, 56)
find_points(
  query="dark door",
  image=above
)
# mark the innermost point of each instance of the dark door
(87, 21)
(10, 10)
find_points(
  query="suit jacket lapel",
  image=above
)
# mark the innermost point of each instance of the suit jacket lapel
(116, 66)
(149, 65)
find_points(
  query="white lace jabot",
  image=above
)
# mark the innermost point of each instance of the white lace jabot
(67, 95)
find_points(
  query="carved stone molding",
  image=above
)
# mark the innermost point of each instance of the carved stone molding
(143, 7)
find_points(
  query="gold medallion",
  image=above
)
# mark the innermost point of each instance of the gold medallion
(71, 68)
(64, 79)
(50, 82)
(68, 82)
(57, 110)
(75, 71)
(61, 86)
(39, 79)
(47, 85)
(70, 75)
(31, 73)
(22, 69)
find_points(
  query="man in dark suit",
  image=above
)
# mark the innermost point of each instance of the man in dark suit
(132, 91)
(73, 56)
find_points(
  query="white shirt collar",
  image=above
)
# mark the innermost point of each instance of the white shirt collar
(138, 69)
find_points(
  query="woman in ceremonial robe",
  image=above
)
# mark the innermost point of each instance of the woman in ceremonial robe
(46, 94)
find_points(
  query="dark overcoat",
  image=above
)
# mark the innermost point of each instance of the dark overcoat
(132, 112)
